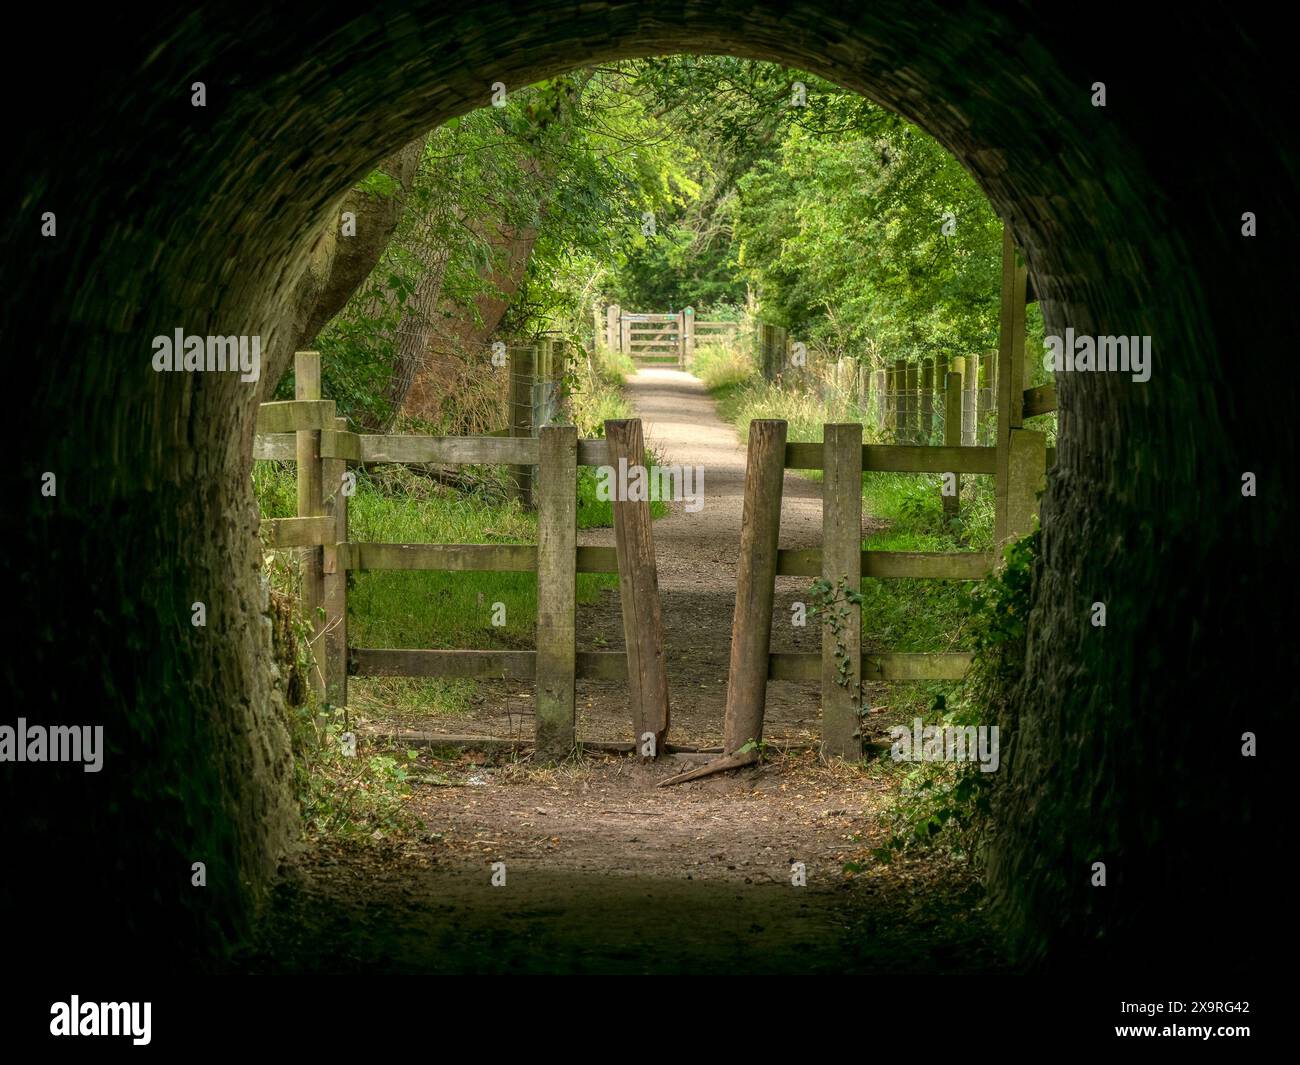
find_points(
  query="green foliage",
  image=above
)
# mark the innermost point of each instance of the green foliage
(348, 796)
(830, 604)
(949, 804)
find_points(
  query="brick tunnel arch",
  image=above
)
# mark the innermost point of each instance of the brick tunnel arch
(170, 216)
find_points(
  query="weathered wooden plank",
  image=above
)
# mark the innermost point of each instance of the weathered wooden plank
(612, 315)
(298, 532)
(450, 450)
(306, 386)
(638, 586)
(523, 374)
(1011, 375)
(338, 443)
(336, 481)
(557, 535)
(894, 565)
(276, 447)
(927, 402)
(952, 431)
(805, 666)
(751, 632)
(842, 562)
(499, 558)
(1026, 473)
(1040, 400)
(504, 558)
(483, 665)
(296, 415)
(901, 458)
(911, 398)
(402, 662)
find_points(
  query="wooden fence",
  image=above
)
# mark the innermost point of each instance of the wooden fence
(1018, 461)
(307, 431)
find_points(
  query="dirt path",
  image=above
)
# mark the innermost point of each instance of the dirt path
(696, 557)
(605, 872)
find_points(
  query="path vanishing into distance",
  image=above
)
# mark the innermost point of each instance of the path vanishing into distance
(606, 872)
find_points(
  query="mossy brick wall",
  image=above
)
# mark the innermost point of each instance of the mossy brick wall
(171, 216)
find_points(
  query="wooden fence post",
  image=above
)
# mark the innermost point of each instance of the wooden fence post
(1010, 379)
(334, 473)
(612, 313)
(879, 381)
(751, 630)
(969, 406)
(910, 391)
(306, 386)
(952, 430)
(545, 402)
(522, 372)
(624, 333)
(1026, 476)
(897, 411)
(927, 402)
(557, 552)
(638, 587)
(842, 560)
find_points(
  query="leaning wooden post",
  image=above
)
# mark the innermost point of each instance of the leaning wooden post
(1010, 378)
(557, 553)
(522, 364)
(952, 430)
(336, 487)
(306, 386)
(842, 562)
(751, 630)
(638, 588)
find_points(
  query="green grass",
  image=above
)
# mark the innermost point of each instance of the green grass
(430, 608)
(719, 366)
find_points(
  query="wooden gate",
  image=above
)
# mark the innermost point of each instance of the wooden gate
(1018, 462)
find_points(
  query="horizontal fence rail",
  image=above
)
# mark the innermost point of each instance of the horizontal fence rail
(888, 666)
(926, 565)
(417, 450)
(901, 458)
(482, 665)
